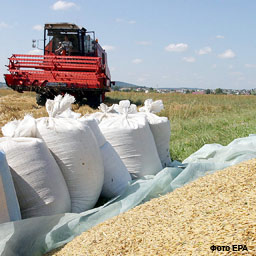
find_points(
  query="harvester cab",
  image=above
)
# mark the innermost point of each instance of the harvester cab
(73, 62)
(81, 41)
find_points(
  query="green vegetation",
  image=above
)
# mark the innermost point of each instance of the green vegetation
(218, 91)
(200, 119)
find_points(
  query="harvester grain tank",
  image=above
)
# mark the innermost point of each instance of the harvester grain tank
(73, 62)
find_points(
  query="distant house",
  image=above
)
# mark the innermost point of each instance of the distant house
(140, 89)
(199, 92)
(125, 89)
(181, 91)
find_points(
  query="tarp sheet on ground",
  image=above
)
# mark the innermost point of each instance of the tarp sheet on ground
(36, 236)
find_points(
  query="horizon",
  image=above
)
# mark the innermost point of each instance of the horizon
(180, 43)
(163, 88)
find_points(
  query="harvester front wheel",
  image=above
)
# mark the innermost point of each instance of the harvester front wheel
(94, 100)
(41, 99)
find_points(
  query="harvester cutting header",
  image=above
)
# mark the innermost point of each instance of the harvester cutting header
(73, 62)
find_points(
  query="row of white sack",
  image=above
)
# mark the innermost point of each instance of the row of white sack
(88, 168)
(112, 125)
(114, 120)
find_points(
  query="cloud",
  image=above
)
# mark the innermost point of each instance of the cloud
(109, 48)
(181, 47)
(35, 52)
(189, 59)
(3, 25)
(62, 5)
(205, 50)
(228, 54)
(38, 27)
(214, 66)
(220, 37)
(132, 21)
(137, 61)
(144, 43)
(250, 65)
(118, 20)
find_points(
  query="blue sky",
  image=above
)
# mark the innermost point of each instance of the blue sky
(165, 43)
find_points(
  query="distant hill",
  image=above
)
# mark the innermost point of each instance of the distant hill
(127, 85)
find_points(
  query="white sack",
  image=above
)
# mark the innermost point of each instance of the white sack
(116, 175)
(93, 124)
(132, 139)
(87, 121)
(125, 106)
(160, 127)
(20, 128)
(105, 112)
(39, 184)
(75, 149)
(9, 206)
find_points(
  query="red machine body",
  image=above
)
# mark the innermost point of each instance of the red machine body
(83, 73)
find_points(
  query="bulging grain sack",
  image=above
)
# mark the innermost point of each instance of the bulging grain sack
(160, 127)
(116, 175)
(93, 124)
(20, 128)
(9, 206)
(40, 186)
(130, 136)
(75, 149)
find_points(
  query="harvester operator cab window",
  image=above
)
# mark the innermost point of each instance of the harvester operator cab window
(65, 47)
(88, 45)
(61, 43)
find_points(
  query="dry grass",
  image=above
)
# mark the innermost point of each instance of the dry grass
(218, 209)
(15, 106)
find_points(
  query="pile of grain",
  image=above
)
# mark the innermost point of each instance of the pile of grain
(218, 209)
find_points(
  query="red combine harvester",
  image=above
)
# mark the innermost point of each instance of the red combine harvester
(73, 62)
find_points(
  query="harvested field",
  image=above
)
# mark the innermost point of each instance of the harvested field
(14, 105)
(218, 209)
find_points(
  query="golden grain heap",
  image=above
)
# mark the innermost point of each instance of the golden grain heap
(217, 209)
